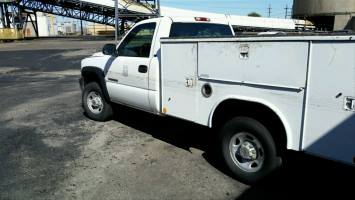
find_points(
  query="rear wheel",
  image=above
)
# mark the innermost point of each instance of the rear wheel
(248, 149)
(95, 105)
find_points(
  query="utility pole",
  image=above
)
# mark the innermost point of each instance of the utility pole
(116, 22)
(81, 20)
(158, 7)
(7, 16)
(13, 13)
(286, 11)
(269, 10)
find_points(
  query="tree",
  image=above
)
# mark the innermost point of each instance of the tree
(254, 14)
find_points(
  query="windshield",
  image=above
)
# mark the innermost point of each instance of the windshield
(200, 30)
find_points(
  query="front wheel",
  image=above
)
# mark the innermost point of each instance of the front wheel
(248, 149)
(95, 105)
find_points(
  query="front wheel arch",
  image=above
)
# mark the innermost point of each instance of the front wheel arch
(94, 104)
(94, 74)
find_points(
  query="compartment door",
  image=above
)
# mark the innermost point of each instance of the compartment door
(330, 117)
(179, 80)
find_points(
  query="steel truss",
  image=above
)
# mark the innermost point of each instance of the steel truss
(84, 11)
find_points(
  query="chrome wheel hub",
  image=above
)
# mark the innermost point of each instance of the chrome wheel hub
(246, 152)
(95, 103)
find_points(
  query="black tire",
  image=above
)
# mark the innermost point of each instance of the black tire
(106, 112)
(270, 161)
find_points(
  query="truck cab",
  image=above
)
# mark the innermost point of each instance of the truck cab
(128, 73)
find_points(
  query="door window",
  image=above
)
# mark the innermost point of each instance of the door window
(138, 42)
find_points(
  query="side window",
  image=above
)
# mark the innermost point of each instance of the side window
(138, 42)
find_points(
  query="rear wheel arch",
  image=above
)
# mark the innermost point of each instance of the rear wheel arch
(230, 108)
(248, 149)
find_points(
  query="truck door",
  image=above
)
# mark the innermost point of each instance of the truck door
(330, 105)
(127, 77)
(179, 80)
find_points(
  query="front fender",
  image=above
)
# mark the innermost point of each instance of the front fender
(90, 74)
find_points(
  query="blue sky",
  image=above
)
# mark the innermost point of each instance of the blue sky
(238, 7)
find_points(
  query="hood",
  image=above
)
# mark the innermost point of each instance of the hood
(98, 60)
(98, 54)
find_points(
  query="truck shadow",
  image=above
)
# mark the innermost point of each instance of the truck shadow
(179, 133)
(301, 174)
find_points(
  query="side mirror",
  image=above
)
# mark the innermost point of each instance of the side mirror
(109, 49)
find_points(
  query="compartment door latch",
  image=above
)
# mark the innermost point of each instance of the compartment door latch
(349, 104)
(189, 82)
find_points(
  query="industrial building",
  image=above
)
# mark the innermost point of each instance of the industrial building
(19, 18)
(99, 29)
(327, 14)
(33, 18)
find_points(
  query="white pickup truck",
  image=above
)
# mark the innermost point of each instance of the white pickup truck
(263, 94)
